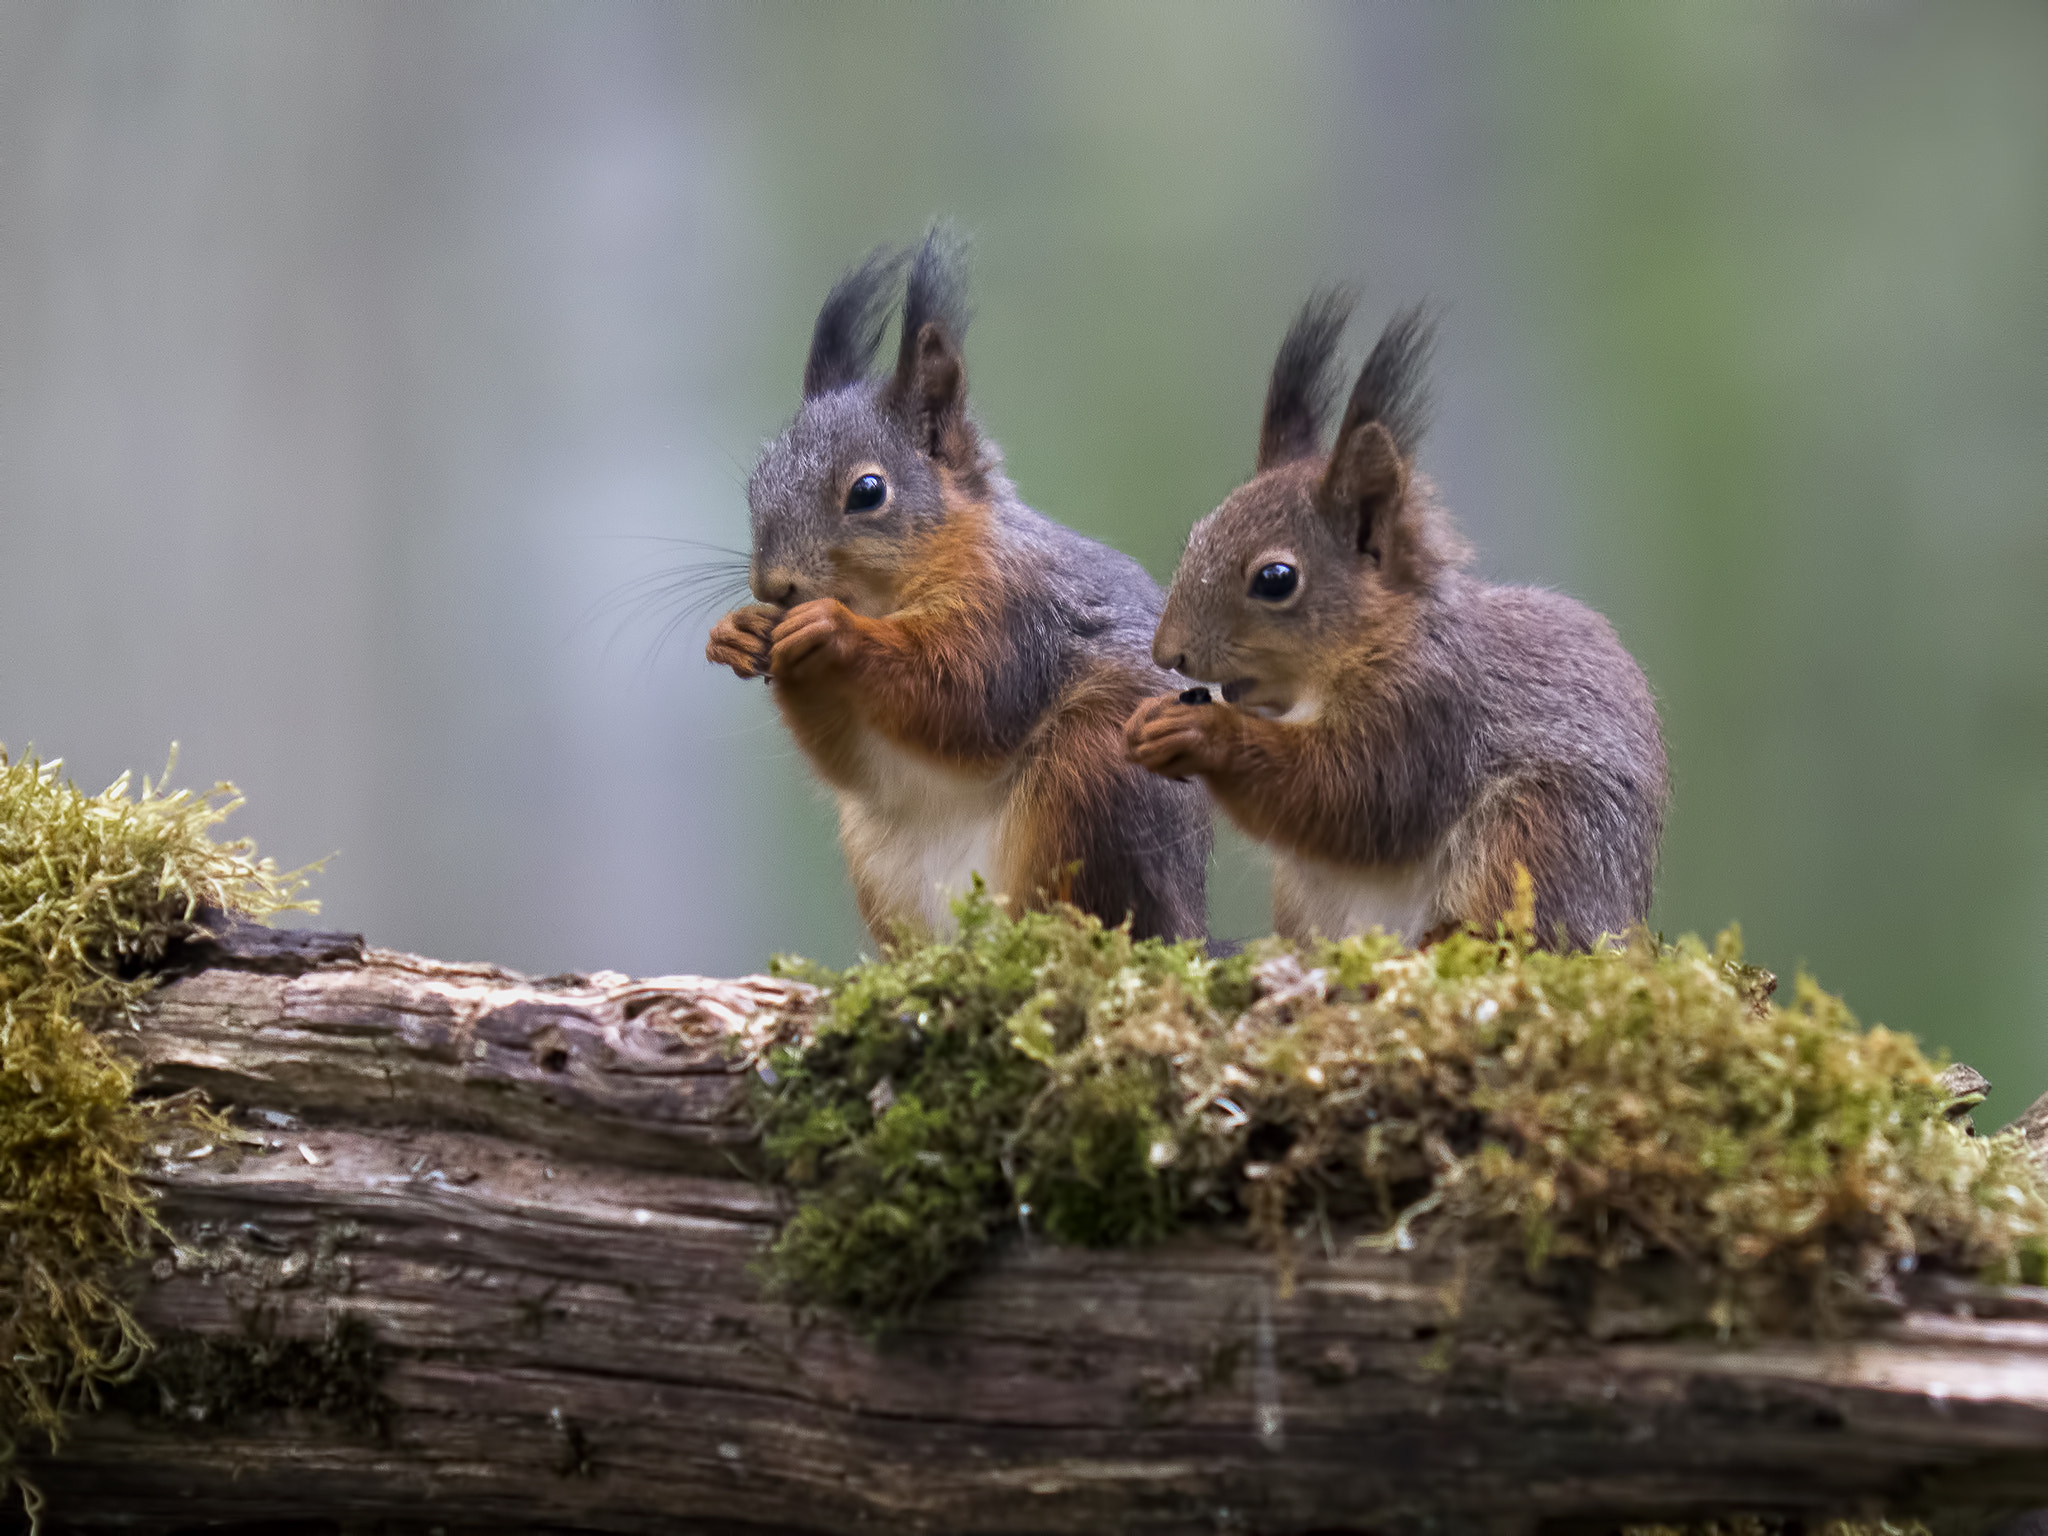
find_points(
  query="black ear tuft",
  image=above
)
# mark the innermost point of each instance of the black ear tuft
(850, 325)
(929, 390)
(1393, 386)
(1305, 382)
(937, 291)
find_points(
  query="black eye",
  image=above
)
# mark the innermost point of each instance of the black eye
(1275, 583)
(867, 493)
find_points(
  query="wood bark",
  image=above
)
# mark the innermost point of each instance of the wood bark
(533, 1199)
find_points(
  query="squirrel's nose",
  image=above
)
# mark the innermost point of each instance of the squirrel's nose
(777, 588)
(1170, 641)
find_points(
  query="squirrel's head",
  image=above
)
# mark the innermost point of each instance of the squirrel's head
(872, 465)
(1320, 555)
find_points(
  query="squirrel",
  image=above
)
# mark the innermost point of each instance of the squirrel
(956, 667)
(1401, 735)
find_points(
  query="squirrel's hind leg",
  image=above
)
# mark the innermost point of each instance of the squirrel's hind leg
(1551, 827)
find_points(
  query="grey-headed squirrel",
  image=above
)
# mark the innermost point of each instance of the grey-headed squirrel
(956, 667)
(1399, 733)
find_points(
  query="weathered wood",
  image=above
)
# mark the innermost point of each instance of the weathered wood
(526, 1191)
(634, 1072)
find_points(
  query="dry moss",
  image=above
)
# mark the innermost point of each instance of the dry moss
(1587, 1111)
(206, 1382)
(93, 890)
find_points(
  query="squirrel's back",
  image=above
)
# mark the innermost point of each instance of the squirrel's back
(1560, 685)
(1557, 701)
(1102, 601)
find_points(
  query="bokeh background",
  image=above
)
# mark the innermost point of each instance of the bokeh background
(355, 358)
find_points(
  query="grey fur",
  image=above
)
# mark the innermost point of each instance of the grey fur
(1517, 688)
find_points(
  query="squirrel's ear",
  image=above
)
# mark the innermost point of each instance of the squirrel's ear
(1304, 384)
(930, 394)
(929, 391)
(1363, 489)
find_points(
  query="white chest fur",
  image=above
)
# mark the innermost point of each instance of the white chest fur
(1313, 897)
(916, 833)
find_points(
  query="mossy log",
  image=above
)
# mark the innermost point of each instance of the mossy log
(477, 1257)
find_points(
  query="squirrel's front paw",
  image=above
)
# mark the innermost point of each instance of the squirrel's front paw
(740, 639)
(812, 638)
(1176, 740)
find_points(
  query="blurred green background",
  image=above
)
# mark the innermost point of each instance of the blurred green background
(353, 357)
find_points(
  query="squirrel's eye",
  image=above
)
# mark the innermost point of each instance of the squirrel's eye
(867, 493)
(1275, 583)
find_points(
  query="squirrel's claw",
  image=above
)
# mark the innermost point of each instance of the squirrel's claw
(740, 640)
(808, 636)
(1170, 738)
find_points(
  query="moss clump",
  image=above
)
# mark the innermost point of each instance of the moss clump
(943, 1101)
(1585, 1111)
(93, 890)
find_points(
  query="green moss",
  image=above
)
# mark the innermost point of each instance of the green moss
(93, 890)
(1645, 1101)
(921, 1118)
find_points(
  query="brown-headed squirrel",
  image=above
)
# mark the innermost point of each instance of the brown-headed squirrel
(1400, 734)
(957, 668)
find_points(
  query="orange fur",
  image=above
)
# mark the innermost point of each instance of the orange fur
(1285, 783)
(916, 675)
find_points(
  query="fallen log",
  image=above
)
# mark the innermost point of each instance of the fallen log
(477, 1257)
